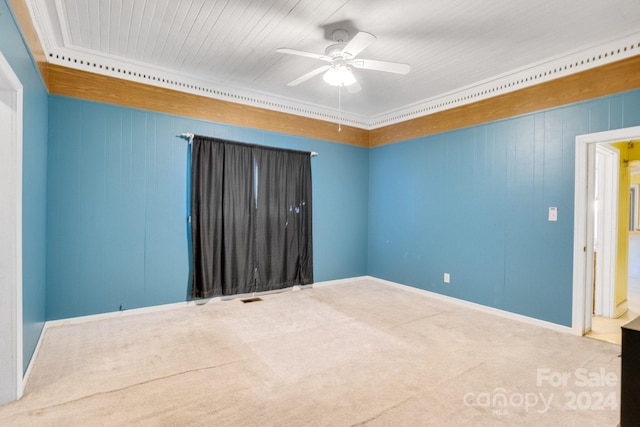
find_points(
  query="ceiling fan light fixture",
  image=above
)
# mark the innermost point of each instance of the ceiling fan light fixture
(339, 76)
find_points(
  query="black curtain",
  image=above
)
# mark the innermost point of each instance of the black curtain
(250, 218)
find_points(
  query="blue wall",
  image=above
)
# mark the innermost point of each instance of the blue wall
(474, 203)
(34, 175)
(117, 205)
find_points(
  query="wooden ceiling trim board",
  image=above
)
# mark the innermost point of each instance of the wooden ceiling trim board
(95, 87)
(23, 16)
(608, 79)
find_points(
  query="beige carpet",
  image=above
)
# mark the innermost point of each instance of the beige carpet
(360, 353)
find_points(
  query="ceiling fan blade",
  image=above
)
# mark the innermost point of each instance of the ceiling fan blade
(310, 74)
(303, 53)
(358, 43)
(354, 87)
(390, 67)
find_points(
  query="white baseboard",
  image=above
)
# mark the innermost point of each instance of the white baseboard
(163, 307)
(112, 314)
(340, 281)
(479, 307)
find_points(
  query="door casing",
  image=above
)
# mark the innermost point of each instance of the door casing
(582, 237)
(11, 340)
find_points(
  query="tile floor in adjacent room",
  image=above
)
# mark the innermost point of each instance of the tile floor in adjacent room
(607, 329)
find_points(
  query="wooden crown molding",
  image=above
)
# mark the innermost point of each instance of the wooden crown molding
(605, 80)
(97, 87)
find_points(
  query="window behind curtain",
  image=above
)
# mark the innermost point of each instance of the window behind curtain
(251, 213)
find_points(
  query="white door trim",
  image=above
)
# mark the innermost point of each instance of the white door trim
(609, 180)
(634, 204)
(11, 365)
(581, 310)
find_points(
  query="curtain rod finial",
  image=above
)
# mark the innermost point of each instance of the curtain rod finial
(187, 135)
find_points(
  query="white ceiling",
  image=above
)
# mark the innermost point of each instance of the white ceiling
(459, 50)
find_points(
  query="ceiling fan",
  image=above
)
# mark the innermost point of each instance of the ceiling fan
(341, 57)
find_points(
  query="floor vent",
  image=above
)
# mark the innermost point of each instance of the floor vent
(256, 299)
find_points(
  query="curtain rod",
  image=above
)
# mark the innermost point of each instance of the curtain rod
(190, 136)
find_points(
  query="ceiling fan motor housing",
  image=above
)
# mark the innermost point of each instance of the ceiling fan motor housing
(340, 36)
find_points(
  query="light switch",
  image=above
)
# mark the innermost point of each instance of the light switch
(553, 214)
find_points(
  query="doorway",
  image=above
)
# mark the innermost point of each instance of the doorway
(11, 365)
(584, 294)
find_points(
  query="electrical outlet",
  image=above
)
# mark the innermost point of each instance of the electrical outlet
(447, 278)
